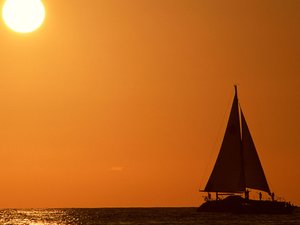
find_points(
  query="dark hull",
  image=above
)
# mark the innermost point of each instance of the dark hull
(236, 204)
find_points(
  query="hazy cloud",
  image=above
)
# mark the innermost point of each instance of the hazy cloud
(117, 168)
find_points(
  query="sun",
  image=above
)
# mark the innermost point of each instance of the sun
(23, 16)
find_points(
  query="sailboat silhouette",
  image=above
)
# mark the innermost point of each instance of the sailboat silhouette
(237, 170)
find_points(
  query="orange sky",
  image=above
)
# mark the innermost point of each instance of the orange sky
(124, 103)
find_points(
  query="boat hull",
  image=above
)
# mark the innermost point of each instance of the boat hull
(237, 204)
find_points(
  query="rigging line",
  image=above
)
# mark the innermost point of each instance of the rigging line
(213, 148)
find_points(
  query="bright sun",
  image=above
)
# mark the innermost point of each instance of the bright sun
(23, 16)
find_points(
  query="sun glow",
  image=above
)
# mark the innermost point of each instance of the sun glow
(23, 16)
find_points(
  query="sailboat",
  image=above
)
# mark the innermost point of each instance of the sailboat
(237, 171)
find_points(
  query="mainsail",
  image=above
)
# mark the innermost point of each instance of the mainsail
(227, 175)
(238, 166)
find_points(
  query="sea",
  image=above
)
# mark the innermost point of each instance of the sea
(138, 216)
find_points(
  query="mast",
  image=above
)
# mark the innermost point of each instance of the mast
(235, 89)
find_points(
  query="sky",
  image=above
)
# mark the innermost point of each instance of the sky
(118, 103)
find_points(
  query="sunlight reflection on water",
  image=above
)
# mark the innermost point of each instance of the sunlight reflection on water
(33, 217)
(136, 216)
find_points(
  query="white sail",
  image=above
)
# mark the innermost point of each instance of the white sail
(227, 175)
(254, 174)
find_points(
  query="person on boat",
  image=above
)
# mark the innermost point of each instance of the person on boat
(272, 196)
(208, 196)
(260, 196)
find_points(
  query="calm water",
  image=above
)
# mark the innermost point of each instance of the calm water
(137, 216)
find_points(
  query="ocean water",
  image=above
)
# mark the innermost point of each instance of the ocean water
(140, 216)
